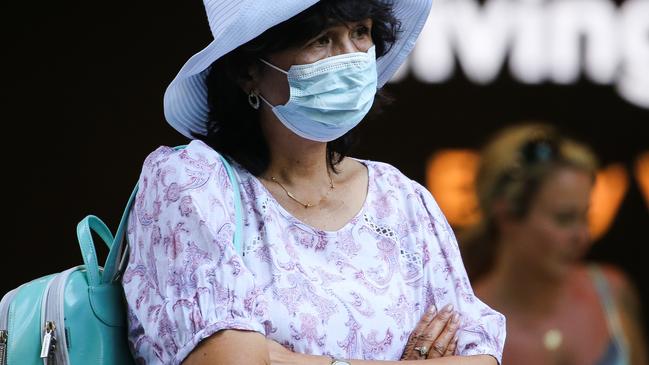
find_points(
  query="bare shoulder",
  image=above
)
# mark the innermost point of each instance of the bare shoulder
(631, 316)
(617, 278)
(622, 287)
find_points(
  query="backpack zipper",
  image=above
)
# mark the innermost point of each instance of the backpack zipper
(49, 342)
(3, 347)
(54, 312)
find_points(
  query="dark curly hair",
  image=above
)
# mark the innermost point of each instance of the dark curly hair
(233, 128)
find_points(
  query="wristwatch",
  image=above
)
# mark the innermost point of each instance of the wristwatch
(335, 361)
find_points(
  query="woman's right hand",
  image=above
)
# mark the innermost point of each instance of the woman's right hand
(435, 331)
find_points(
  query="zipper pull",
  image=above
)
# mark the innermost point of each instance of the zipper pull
(49, 340)
(3, 347)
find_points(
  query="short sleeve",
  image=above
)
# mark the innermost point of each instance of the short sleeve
(482, 329)
(184, 280)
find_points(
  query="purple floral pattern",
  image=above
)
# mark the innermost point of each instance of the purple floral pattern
(354, 293)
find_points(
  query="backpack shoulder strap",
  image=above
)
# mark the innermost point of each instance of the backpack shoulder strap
(113, 269)
(84, 235)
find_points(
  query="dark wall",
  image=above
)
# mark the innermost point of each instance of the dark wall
(82, 94)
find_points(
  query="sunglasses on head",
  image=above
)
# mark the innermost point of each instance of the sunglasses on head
(539, 150)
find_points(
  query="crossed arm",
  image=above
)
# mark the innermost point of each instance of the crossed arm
(240, 347)
(435, 330)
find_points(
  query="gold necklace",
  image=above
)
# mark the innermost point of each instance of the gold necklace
(290, 195)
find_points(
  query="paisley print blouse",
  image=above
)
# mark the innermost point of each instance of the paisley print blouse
(354, 293)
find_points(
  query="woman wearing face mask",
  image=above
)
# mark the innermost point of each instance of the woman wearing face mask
(524, 258)
(344, 261)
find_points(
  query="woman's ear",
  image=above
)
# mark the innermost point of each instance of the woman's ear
(250, 82)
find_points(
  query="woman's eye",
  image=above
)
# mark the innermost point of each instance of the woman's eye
(563, 220)
(321, 41)
(567, 219)
(361, 31)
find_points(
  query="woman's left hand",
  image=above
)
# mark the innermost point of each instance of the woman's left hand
(435, 334)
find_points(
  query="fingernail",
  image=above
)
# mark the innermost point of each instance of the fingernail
(432, 309)
(455, 338)
(448, 308)
(456, 318)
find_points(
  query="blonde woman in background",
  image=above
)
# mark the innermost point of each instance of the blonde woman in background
(525, 256)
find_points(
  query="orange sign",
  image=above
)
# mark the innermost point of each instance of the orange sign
(450, 177)
(642, 174)
(610, 187)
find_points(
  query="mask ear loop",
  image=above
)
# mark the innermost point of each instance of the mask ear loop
(273, 66)
(276, 68)
(265, 101)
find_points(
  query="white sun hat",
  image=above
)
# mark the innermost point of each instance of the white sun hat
(235, 22)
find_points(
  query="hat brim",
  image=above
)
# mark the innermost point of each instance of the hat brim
(185, 100)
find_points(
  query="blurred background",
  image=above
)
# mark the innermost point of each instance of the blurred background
(82, 101)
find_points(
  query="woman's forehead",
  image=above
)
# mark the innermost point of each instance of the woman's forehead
(566, 186)
(337, 23)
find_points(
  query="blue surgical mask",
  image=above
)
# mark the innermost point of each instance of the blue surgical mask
(328, 97)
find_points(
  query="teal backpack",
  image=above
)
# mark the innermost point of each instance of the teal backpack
(78, 316)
